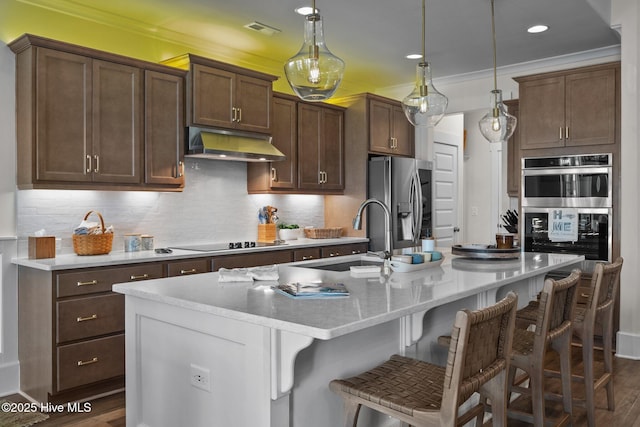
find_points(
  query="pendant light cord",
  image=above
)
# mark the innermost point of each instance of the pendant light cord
(495, 61)
(424, 37)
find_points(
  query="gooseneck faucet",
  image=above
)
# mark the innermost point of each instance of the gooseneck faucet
(357, 224)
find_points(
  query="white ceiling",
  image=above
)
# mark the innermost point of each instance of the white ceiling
(371, 36)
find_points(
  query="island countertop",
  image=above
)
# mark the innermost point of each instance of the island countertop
(372, 301)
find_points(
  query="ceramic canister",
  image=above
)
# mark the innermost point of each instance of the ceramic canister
(132, 242)
(147, 242)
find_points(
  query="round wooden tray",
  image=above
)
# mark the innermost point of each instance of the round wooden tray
(481, 251)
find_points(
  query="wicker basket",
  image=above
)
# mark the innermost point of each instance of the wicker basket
(323, 233)
(93, 244)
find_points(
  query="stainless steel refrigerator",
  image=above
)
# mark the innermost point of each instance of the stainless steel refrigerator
(404, 185)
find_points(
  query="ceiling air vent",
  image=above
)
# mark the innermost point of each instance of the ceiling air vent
(262, 28)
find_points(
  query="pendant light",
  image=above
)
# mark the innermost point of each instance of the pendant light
(314, 73)
(497, 125)
(425, 106)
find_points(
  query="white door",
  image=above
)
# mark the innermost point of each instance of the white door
(445, 194)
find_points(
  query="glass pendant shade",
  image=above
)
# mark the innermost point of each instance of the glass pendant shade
(314, 73)
(425, 106)
(497, 125)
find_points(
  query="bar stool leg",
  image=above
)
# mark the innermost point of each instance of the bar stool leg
(587, 360)
(608, 364)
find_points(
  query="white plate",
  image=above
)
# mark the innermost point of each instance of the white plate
(403, 267)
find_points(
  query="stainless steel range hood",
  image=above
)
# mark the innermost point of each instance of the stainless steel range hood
(231, 145)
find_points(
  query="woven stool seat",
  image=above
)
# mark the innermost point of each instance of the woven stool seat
(423, 394)
(401, 383)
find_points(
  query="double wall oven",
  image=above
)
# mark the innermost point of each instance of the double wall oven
(567, 205)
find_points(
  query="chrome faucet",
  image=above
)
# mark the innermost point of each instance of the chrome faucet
(357, 225)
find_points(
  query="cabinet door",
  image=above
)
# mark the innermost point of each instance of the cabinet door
(164, 128)
(331, 146)
(309, 129)
(285, 138)
(63, 112)
(253, 104)
(591, 108)
(117, 123)
(380, 127)
(212, 97)
(542, 109)
(403, 132)
(513, 153)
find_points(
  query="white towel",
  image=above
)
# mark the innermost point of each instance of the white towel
(267, 272)
(234, 275)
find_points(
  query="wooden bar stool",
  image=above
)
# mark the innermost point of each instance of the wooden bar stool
(552, 330)
(423, 394)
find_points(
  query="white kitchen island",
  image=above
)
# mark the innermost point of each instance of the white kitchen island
(263, 359)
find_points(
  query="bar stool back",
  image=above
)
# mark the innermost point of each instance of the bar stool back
(596, 317)
(552, 330)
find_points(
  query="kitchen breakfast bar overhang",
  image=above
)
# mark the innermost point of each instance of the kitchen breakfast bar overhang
(200, 352)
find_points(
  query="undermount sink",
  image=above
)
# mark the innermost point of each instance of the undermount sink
(341, 265)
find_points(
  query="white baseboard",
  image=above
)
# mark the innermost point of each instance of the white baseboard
(628, 345)
(9, 378)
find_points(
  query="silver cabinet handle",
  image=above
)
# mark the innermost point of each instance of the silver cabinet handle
(180, 169)
(140, 277)
(192, 271)
(566, 132)
(239, 114)
(306, 258)
(97, 159)
(234, 114)
(274, 175)
(84, 319)
(88, 164)
(87, 362)
(560, 134)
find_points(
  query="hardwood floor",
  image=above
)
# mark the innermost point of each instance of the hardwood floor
(109, 411)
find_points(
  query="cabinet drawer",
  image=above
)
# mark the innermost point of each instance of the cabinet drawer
(306, 254)
(192, 266)
(88, 317)
(340, 250)
(101, 280)
(90, 361)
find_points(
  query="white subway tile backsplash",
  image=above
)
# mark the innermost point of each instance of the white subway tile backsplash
(214, 207)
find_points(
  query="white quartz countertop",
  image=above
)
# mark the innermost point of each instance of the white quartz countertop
(71, 261)
(373, 300)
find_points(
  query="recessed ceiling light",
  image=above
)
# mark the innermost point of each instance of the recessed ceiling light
(537, 29)
(305, 10)
(414, 56)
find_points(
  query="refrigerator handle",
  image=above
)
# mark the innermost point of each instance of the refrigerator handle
(417, 205)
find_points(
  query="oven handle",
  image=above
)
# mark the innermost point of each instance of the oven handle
(569, 171)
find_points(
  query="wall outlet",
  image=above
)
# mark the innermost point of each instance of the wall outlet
(200, 377)
(474, 211)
